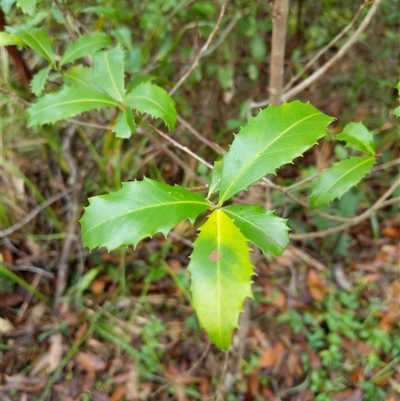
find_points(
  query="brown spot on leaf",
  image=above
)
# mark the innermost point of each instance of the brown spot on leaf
(214, 256)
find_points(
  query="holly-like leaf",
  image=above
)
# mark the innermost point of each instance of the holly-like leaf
(37, 40)
(79, 76)
(273, 138)
(261, 227)
(358, 137)
(138, 210)
(339, 178)
(39, 80)
(153, 100)
(108, 72)
(215, 178)
(220, 273)
(86, 44)
(66, 103)
(124, 124)
(27, 6)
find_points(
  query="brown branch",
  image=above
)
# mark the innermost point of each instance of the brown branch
(277, 68)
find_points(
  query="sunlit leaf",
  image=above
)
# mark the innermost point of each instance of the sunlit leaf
(273, 138)
(220, 272)
(39, 80)
(27, 6)
(215, 178)
(109, 72)
(124, 124)
(37, 40)
(85, 45)
(9, 39)
(138, 210)
(339, 178)
(66, 103)
(358, 137)
(79, 76)
(261, 227)
(153, 100)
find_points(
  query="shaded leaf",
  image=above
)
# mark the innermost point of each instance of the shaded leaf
(138, 210)
(220, 271)
(109, 73)
(215, 178)
(66, 103)
(273, 138)
(124, 124)
(39, 80)
(79, 76)
(339, 178)
(86, 44)
(358, 137)
(261, 227)
(27, 6)
(37, 40)
(153, 100)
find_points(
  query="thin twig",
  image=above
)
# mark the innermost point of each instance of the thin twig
(328, 46)
(33, 213)
(322, 70)
(380, 203)
(202, 50)
(184, 148)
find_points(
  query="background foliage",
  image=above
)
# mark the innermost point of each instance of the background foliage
(324, 323)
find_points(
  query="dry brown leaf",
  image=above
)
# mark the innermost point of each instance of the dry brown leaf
(51, 359)
(272, 356)
(91, 363)
(118, 394)
(318, 289)
(5, 326)
(98, 285)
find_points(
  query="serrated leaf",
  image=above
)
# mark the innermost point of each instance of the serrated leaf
(124, 124)
(9, 39)
(358, 137)
(220, 272)
(27, 6)
(153, 100)
(109, 73)
(79, 76)
(215, 178)
(261, 227)
(37, 40)
(39, 80)
(138, 210)
(276, 136)
(86, 44)
(66, 103)
(339, 178)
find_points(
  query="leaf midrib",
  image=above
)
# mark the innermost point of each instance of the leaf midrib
(146, 98)
(141, 209)
(114, 84)
(40, 44)
(80, 48)
(258, 155)
(344, 175)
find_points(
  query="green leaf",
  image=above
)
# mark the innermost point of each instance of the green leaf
(39, 80)
(37, 40)
(273, 138)
(153, 100)
(138, 210)
(108, 72)
(220, 272)
(83, 46)
(215, 177)
(79, 76)
(261, 227)
(66, 103)
(27, 6)
(396, 111)
(358, 137)
(9, 39)
(124, 124)
(339, 178)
